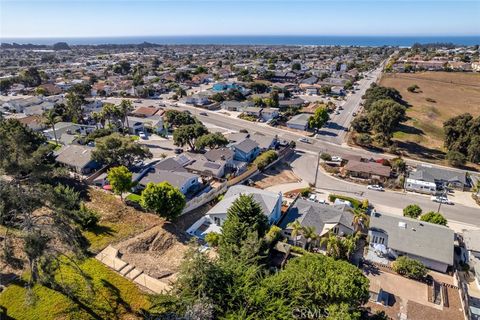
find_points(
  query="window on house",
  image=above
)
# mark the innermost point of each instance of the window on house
(335, 230)
(217, 220)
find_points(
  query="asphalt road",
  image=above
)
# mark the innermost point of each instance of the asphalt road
(336, 129)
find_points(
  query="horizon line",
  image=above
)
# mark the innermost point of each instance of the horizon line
(241, 35)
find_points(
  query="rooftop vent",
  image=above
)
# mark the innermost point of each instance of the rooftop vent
(402, 224)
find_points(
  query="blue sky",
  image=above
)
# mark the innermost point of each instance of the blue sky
(87, 18)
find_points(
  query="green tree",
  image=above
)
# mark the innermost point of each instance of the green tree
(188, 135)
(51, 118)
(297, 229)
(434, 217)
(115, 149)
(409, 267)
(326, 90)
(163, 199)
(213, 239)
(361, 124)
(333, 245)
(244, 216)
(385, 116)
(74, 104)
(178, 118)
(412, 211)
(319, 118)
(296, 66)
(211, 140)
(265, 159)
(125, 107)
(120, 178)
(363, 139)
(455, 158)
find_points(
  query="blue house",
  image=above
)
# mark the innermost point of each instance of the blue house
(225, 86)
(246, 150)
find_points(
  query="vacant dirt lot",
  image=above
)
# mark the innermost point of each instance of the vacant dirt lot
(279, 174)
(441, 95)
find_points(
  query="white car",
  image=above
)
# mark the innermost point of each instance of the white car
(312, 198)
(304, 140)
(375, 187)
(441, 199)
(142, 135)
(336, 159)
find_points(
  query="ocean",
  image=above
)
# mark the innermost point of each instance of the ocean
(402, 41)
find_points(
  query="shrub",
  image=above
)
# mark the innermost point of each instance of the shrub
(305, 192)
(326, 157)
(434, 217)
(363, 139)
(213, 239)
(455, 158)
(412, 211)
(274, 234)
(413, 88)
(357, 204)
(265, 159)
(87, 218)
(409, 267)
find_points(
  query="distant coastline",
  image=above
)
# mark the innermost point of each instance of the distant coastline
(401, 41)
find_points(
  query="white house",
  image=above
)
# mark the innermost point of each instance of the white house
(429, 243)
(471, 238)
(270, 202)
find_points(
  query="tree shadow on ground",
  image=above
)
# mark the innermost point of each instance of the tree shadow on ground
(102, 230)
(409, 129)
(420, 151)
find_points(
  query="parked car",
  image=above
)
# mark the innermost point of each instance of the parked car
(375, 187)
(336, 159)
(142, 135)
(178, 150)
(441, 199)
(312, 198)
(354, 114)
(304, 140)
(137, 101)
(203, 113)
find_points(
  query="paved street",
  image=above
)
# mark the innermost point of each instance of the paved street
(336, 129)
(394, 201)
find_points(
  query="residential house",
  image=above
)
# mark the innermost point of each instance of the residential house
(291, 103)
(325, 218)
(67, 132)
(270, 202)
(201, 165)
(136, 124)
(429, 243)
(253, 111)
(185, 181)
(78, 158)
(367, 170)
(198, 99)
(337, 90)
(471, 239)
(264, 142)
(442, 177)
(232, 105)
(246, 150)
(267, 114)
(299, 121)
(146, 112)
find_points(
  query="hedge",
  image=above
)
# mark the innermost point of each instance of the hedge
(265, 159)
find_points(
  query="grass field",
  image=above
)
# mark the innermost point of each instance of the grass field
(106, 295)
(441, 95)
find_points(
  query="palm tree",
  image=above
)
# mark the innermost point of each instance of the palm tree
(311, 235)
(180, 92)
(333, 245)
(98, 117)
(50, 118)
(125, 108)
(349, 244)
(360, 220)
(296, 230)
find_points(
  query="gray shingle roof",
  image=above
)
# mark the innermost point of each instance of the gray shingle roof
(431, 174)
(175, 178)
(246, 146)
(418, 238)
(75, 156)
(472, 240)
(266, 199)
(300, 119)
(311, 214)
